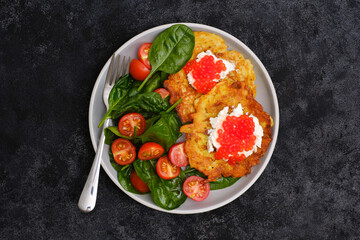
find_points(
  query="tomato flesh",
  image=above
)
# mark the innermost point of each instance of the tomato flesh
(123, 151)
(128, 122)
(178, 156)
(150, 150)
(143, 54)
(138, 70)
(138, 184)
(196, 188)
(163, 92)
(165, 169)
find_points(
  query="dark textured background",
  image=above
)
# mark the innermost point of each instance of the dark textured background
(51, 53)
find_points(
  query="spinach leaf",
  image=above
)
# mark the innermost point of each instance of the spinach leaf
(192, 172)
(223, 182)
(167, 194)
(117, 94)
(220, 183)
(120, 90)
(156, 82)
(123, 175)
(164, 131)
(116, 166)
(144, 103)
(125, 98)
(111, 133)
(171, 50)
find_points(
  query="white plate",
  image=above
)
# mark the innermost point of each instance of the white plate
(265, 95)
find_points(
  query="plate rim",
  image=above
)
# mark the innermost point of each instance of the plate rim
(275, 127)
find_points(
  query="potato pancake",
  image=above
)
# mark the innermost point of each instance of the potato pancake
(226, 93)
(179, 87)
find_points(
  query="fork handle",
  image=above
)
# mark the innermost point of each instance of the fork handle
(88, 195)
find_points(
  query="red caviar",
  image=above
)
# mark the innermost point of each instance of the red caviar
(204, 72)
(237, 136)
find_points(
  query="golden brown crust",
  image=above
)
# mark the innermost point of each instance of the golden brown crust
(209, 105)
(179, 87)
(237, 87)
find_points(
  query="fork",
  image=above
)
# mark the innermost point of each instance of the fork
(88, 195)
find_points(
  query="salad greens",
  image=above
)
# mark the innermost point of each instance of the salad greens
(162, 129)
(111, 133)
(123, 175)
(223, 182)
(171, 50)
(125, 98)
(167, 194)
(220, 183)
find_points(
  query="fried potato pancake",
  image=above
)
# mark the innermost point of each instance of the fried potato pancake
(225, 93)
(179, 87)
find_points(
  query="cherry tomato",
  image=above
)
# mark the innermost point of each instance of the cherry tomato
(196, 188)
(165, 169)
(150, 150)
(143, 54)
(163, 92)
(138, 184)
(123, 150)
(178, 156)
(138, 70)
(128, 122)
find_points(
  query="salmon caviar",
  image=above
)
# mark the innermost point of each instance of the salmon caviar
(205, 72)
(236, 136)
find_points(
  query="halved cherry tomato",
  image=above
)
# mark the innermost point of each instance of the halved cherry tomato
(143, 54)
(123, 150)
(138, 70)
(163, 92)
(178, 156)
(196, 188)
(165, 169)
(150, 150)
(138, 184)
(128, 122)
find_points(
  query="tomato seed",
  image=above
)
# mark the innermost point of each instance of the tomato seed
(163, 167)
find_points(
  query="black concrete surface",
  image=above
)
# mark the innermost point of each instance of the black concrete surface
(51, 53)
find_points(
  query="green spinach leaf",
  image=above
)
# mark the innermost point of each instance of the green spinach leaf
(167, 194)
(220, 183)
(111, 133)
(117, 94)
(192, 172)
(125, 98)
(123, 175)
(223, 182)
(144, 103)
(156, 82)
(164, 131)
(171, 50)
